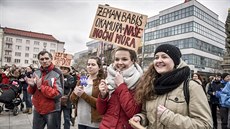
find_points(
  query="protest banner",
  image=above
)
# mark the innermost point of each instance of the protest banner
(119, 27)
(62, 59)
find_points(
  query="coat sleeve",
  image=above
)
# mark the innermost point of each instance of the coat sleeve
(52, 92)
(74, 98)
(101, 104)
(144, 120)
(199, 114)
(127, 101)
(226, 88)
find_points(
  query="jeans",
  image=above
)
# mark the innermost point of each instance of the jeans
(67, 116)
(85, 127)
(27, 99)
(52, 120)
(224, 117)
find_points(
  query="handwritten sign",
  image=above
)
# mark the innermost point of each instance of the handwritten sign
(119, 27)
(62, 59)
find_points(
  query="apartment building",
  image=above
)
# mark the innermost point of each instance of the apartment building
(193, 28)
(21, 47)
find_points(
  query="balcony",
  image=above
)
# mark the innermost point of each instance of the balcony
(8, 55)
(9, 48)
(8, 42)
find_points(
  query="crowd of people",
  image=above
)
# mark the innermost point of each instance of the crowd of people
(164, 96)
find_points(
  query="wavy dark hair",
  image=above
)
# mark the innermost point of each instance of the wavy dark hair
(144, 89)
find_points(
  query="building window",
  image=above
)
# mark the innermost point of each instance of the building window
(7, 59)
(27, 48)
(26, 61)
(18, 40)
(53, 45)
(28, 42)
(18, 54)
(8, 46)
(17, 60)
(36, 49)
(8, 39)
(44, 44)
(26, 54)
(17, 47)
(35, 55)
(36, 43)
(35, 62)
(52, 51)
(9, 53)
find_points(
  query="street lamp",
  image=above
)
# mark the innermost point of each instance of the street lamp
(143, 49)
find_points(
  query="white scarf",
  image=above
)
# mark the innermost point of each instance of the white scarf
(130, 76)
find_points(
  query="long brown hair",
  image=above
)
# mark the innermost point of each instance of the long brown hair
(144, 89)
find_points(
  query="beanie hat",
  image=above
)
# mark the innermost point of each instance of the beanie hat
(171, 50)
(224, 75)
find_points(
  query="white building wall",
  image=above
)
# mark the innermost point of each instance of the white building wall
(55, 47)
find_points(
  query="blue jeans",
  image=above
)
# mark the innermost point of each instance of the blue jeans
(85, 127)
(27, 99)
(67, 117)
(52, 120)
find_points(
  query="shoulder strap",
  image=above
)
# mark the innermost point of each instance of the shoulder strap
(61, 76)
(186, 91)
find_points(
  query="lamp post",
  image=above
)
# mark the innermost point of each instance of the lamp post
(143, 50)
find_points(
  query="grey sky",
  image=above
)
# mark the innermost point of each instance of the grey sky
(70, 21)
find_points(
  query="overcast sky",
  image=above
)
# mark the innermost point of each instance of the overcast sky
(70, 21)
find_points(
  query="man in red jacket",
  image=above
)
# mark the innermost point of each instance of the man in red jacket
(46, 86)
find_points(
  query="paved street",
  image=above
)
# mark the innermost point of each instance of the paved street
(21, 121)
(24, 121)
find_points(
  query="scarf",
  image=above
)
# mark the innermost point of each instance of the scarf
(130, 76)
(170, 81)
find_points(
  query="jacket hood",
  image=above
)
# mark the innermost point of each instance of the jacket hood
(182, 64)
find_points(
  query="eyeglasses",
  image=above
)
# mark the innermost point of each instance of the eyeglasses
(46, 58)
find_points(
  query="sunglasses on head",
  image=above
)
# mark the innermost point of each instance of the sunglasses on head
(46, 58)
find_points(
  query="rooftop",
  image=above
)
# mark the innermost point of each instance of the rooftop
(29, 34)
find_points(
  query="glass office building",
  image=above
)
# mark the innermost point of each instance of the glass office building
(193, 28)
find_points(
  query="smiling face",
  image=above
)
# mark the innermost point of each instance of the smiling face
(92, 67)
(122, 60)
(163, 63)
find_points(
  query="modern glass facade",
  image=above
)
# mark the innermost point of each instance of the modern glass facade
(191, 27)
(185, 28)
(189, 43)
(183, 13)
